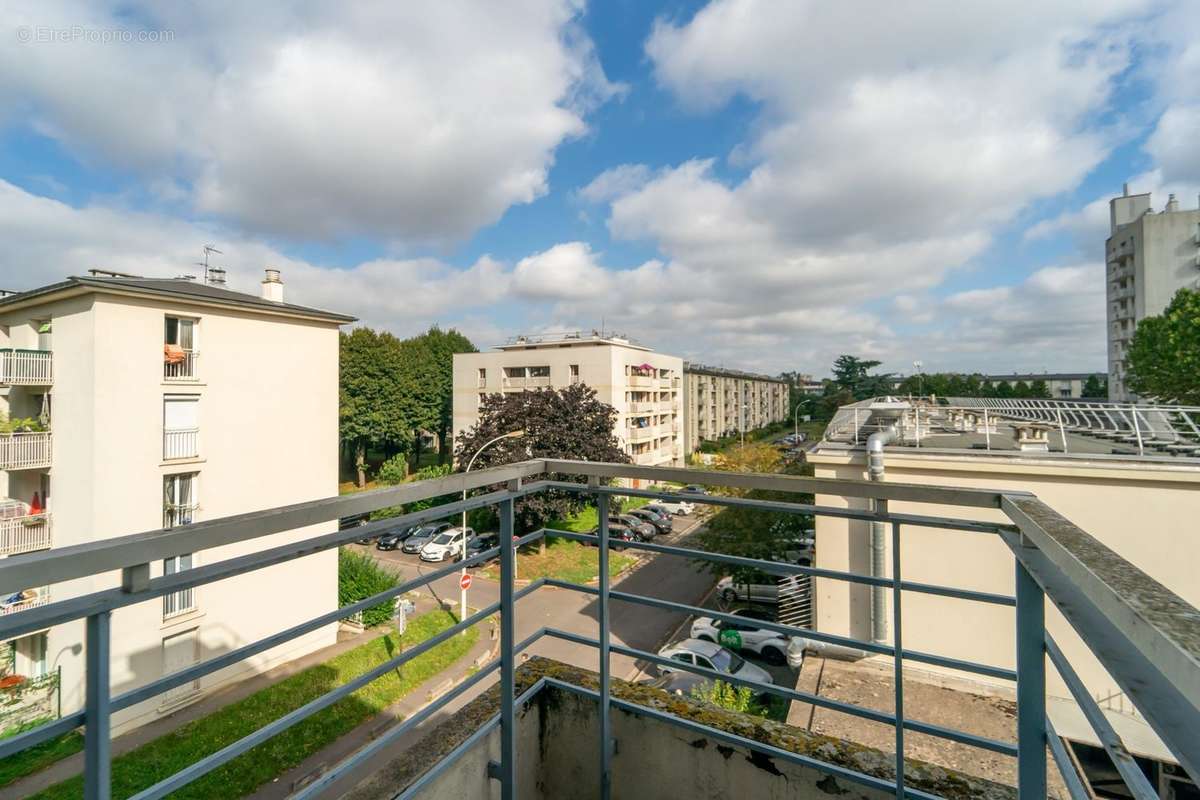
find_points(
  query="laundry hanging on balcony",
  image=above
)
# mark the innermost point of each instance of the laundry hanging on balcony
(173, 354)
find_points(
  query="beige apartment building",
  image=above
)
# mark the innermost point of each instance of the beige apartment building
(643, 386)
(1149, 256)
(1140, 506)
(724, 402)
(151, 403)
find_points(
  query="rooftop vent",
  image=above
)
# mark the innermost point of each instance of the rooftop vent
(216, 276)
(272, 286)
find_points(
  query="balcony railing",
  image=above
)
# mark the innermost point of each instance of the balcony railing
(645, 434)
(181, 443)
(645, 381)
(25, 533)
(25, 450)
(642, 407)
(1143, 635)
(527, 382)
(23, 601)
(184, 370)
(26, 367)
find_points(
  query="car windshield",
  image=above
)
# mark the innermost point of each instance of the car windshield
(726, 661)
(444, 538)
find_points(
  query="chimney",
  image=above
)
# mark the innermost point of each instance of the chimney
(272, 287)
(1172, 203)
(216, 276)
(1125, 190)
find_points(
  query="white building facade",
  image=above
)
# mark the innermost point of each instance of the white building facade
(1148, 258)
(721, 402)
(149, 404)
(644, 387)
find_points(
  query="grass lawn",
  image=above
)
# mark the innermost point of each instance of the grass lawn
(150, 763)
(568, 560)
(35, 758)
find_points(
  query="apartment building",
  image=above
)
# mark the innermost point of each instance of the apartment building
(1149, 257)
(1097, 471)
(139, 404)
(1061, 385)
(643, 386)
(723, 402)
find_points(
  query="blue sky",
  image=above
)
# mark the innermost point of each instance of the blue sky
(734, 181)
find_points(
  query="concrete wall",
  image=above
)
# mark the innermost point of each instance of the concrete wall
(711, 403)
(602, 367)
(1141, 511)
(267, 389)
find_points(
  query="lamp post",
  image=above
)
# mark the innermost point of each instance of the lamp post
(920, 378)
(796, 423)
(462, 608)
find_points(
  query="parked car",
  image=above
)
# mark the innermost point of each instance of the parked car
(616, 531)
(662, 522)
(714, 657)
(744, 635)
(424, 535)
(355, 521)
(447, 545)
(395, 537)
(482, 542)
(693, 488)
(681, 683)
(644, 529)
(679, 508)
(761, 589)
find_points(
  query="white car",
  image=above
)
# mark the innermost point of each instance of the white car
(765, 590)
(676, 508)
(447, 544)
(746, 635)
(714, 657)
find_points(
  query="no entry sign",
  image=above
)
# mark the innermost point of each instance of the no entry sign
(465, 582)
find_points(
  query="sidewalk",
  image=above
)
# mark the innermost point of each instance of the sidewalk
(73, 765)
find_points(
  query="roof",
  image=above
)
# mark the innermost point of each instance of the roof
(175, 288)
(568, 339)
(1045, 376)
(722, 372)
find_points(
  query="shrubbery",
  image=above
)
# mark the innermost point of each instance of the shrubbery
(359, 577)
(394, 471)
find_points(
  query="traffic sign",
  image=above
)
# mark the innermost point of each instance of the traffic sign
(465, 581)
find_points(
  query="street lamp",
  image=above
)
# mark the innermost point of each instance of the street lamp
(462, 609)
(920, 378)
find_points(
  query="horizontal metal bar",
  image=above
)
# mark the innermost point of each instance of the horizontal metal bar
(978, 498)
(785, 569)
(1113, 631)
(994, 745)
(1066, 767)
(825, 767)
(92, 558)
(1135, 780)
(42, 733)
(14, 625)
(389, 736)
(231, 751)
(782, 507)
(845, 641)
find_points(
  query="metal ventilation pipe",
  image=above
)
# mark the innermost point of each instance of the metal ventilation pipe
(875, 443)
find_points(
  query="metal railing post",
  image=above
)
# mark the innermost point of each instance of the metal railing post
(508, 738)
(898, 660)
(97, 755)
(987, 430)
(1062, 431)
(605, 677)
(1031, 687)
(1137, 430)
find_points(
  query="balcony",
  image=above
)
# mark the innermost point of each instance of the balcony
(544, 728)
(25, 450)
(642, 382)
(23, 601)
(646, 434)
(25, 533)
(527, 382)
(26, 367)
(642, 407)
(184, 367)
(181, 443)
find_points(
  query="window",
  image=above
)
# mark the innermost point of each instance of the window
(179, 349)
(482, 378)
(180, 502)
(574, 373)
(30, 654)
(686, 658)
(181, 426)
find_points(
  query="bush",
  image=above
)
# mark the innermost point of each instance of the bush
(393, 471)
(359, 577)
(389, 469)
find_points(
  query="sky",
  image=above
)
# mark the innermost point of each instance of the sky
(749, 184)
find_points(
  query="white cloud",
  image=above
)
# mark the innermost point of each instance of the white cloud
(614, 182)
(416, 122)
(564, 272)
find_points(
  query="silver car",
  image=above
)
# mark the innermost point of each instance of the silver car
(714, 657)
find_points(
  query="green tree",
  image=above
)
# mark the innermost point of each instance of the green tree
(1093, 387)
(1020, 389)
(359, 577)
(427, 362)
(1038, 389)
(568, 423)
(373, 402)
(1004, 389)
(1164, 355)
(854, 375)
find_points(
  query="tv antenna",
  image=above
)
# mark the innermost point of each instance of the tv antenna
(208, 250)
